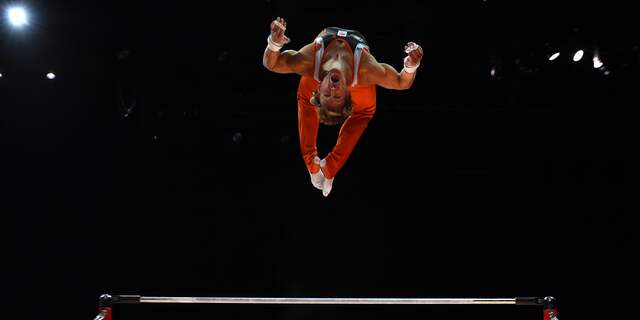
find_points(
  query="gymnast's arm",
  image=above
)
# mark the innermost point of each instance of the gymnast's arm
(289, 61)
(388, 77)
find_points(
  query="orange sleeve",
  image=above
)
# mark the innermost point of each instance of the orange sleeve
(308, 122)
(364, 107)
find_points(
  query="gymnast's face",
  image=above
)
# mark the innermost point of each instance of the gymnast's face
(333, 90)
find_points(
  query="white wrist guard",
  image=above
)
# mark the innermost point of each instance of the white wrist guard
(409, 69)
(272, 45)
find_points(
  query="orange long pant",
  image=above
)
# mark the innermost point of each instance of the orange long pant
(364, 106)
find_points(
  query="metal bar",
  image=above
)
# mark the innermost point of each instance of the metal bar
(220, 300)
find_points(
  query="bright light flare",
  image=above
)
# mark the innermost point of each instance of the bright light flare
(17, 16)
(597, 63)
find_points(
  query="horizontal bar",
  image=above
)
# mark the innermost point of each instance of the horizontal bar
(219, 300)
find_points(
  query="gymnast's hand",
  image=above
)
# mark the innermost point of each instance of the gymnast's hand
(414, 54)
(278, 26)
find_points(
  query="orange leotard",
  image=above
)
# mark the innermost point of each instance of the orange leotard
(363, 99)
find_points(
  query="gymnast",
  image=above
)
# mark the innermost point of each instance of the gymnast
(339, 76)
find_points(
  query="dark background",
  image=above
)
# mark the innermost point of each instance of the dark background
(163, 161)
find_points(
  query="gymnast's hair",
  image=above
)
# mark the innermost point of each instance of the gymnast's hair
(330, 117)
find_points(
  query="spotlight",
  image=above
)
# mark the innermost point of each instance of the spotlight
(554, 56)
(17, 16)
(51, 76)
(597, 63)
(578, 55)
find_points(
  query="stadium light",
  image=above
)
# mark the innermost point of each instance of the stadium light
(17, 16)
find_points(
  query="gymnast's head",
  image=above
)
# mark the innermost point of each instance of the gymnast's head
(332, 98)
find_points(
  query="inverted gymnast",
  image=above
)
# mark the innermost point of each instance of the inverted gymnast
(337, 86)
